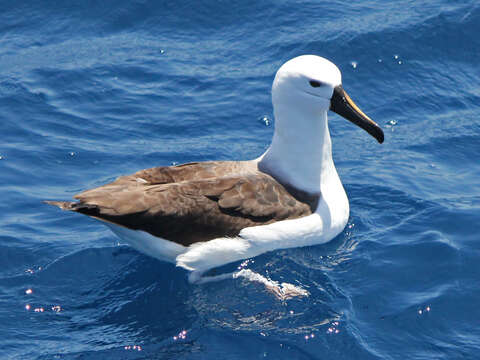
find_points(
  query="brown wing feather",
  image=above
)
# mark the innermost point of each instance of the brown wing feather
(188, 172)
(223, 198)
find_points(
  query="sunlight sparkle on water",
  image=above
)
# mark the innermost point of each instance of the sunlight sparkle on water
(245, 263)
(423, 311)
(390, 124)
(41, 309)
(308, 337)
(32, 271)
(133, 347)
(265, 119)
(333, 328)
(181, 335)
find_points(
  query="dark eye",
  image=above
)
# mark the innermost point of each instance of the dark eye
(315, 83)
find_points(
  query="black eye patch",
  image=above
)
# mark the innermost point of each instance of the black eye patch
(315, 83)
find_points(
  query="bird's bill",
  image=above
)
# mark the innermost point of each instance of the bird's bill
(345, 107)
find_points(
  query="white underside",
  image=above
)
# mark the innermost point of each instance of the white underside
(148, 244)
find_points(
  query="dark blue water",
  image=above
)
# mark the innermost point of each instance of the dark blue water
(94, 90)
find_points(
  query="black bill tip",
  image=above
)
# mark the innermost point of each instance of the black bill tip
(344, 106)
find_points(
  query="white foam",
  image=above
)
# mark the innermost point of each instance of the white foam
(283, 291)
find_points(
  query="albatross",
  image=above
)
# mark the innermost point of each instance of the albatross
(203, 215)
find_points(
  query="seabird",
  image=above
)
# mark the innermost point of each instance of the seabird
(205, 214)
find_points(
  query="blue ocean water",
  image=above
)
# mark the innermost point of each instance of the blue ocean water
(94, 90)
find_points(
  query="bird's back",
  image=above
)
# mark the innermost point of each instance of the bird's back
(193, 202)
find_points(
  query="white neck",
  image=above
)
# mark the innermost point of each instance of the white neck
(301, 151)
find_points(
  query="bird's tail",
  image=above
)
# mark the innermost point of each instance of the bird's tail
(72, 205)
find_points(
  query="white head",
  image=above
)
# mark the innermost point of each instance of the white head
(307, 79)
(306, 87)
(303, 91)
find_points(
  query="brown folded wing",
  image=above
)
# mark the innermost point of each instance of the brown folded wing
(193, 202)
